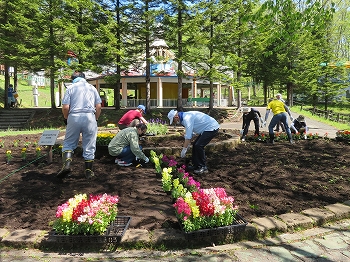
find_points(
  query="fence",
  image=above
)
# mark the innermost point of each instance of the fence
(328, 114)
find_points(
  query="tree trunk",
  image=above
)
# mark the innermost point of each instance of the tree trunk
(179, 69)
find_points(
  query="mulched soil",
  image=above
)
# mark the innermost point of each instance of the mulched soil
(265, 180)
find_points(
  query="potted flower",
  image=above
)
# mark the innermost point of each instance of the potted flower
(82, 215)
(103, 139)
(207, 208)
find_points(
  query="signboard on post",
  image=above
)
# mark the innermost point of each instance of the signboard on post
(48, 138)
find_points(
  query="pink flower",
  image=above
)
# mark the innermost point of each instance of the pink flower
(182, 207)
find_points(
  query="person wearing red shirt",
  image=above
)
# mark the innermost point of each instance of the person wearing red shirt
(133, 118)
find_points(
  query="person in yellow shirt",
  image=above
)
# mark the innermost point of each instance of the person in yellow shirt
(280, 111)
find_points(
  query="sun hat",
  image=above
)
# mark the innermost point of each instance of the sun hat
(246, 109)
(171, 115)
(142, 107)
(301, 118)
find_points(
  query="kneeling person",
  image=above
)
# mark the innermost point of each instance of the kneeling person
(125, 145)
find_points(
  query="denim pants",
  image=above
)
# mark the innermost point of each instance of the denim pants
(276, 119)
(198, 152)
(127, 155)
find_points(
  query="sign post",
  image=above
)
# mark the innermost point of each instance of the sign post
(48, 138)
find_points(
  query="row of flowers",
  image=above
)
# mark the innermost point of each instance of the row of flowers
(154, 126)
(281, 136)
(24, 154)
(343, 134)
(19, 143)
(195, 207)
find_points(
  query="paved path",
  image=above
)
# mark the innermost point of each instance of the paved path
(322, 244)
(314, 126)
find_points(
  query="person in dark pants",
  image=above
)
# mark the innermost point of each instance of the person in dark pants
(280, 124)
(299, 125)
(250, 114)
(279, 110)
(81, 108)
(204, 126)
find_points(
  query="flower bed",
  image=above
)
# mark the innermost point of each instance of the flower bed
(88, 216)
(200, 212)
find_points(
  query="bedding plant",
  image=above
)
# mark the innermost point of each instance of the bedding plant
(82, 215)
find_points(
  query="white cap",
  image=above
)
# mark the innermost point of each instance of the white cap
(246, 109)
(171, 115)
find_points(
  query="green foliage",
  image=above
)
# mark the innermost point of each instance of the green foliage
(157, 128)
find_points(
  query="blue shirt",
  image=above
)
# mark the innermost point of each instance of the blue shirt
(10, 92)
(81, 97)
(197, 122)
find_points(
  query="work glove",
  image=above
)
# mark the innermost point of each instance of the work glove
(264, 124)
(65, 121)
(183, 152)
(241, 131)
(146, 160)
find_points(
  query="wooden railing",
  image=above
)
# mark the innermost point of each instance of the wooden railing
(327, 114)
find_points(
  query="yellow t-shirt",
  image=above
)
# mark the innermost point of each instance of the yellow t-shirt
(277, 106)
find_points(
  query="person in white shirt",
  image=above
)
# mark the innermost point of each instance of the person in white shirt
(198, 123)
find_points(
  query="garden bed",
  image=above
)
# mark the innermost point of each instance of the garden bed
(265, 180)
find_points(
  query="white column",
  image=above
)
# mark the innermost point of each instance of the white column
(159, 92)
(218, 93)
(194, 91)
(124, 101)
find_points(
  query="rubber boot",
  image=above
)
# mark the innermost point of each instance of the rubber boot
(290, 138)
(88, 169)
(272, 136)
(66, 159)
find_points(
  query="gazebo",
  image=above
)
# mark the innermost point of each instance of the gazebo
(164, 83)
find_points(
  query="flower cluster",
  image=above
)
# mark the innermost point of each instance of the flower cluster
(156, 160)
(205, 208)
(38, 152)
(103, 139)
(88, 216)
(8, 155)
(24, 153)
(344, 134)
(157, 127)
(196, 208)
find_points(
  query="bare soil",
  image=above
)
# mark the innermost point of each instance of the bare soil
(265, 180)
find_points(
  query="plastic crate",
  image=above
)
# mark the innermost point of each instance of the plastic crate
(238, 226)
(113, 234)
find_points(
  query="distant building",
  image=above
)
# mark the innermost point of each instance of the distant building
(164, 82)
